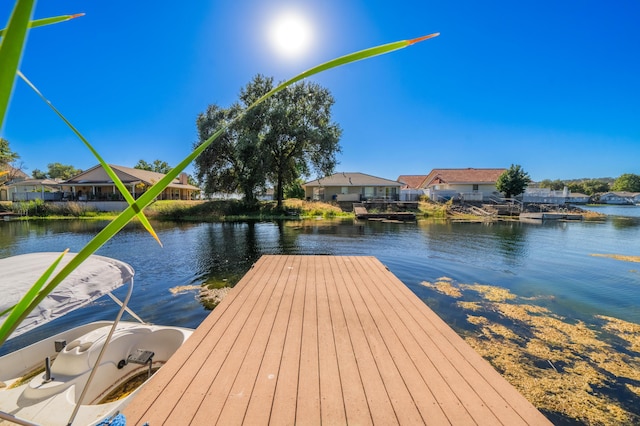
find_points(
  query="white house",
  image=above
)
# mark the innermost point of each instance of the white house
(619, 197)
(352, 187)
(465, 184)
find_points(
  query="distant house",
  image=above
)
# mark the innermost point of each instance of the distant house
(620, 197)
(578, 198)
(8, 176)
(412, 187)
(465, 184)
(95, 185)
(549, 196)
(352, 187)
(34, 189)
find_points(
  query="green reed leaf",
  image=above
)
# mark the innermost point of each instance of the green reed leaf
(11, 46)
(116, 180)
(48, 21)
(145, 199)
(347, 59)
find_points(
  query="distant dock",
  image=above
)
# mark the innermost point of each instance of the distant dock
(8, 215)
(361, 212)
(551, 216)
(332, 340)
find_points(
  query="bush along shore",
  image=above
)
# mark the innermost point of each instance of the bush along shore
(215, 210)
(237, 210)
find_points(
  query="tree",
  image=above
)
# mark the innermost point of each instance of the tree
(9, 167)
(627, 182)
(287, 136)
(300, 136)
(232, 163)
(576, 187)
(38, 174)
(6, 155)
(157, 166)
(554, 185)
(513, 181)
(61, 171)
(294, 189)
(594, 186)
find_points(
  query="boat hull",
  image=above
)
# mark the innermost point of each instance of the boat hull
(51, 402)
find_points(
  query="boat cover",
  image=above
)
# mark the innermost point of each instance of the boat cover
(95, 277)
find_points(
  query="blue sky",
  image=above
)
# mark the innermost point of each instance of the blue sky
(551, 85)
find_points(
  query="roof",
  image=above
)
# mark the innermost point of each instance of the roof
(12, 174)
(459, 176)
(412, 181)
(35, 182)
(127, 175)
(352, 179)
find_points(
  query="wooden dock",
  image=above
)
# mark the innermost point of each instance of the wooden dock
(551, 216)
(361, 212)
(326, 340)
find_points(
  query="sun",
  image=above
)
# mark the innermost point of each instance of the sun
(290, 34)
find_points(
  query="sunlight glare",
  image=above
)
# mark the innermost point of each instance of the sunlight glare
(290, 34)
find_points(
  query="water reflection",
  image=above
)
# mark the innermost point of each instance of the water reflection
(493, 245)
(552, 258)
(621, 222)
(549, 265)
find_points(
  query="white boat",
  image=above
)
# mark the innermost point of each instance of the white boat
(68, 378)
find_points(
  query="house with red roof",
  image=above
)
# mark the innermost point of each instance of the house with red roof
(412, 187)
(462, 184)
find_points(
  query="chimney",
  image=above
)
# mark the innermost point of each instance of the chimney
(184, 178)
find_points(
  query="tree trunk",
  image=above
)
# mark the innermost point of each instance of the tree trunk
(279, 191)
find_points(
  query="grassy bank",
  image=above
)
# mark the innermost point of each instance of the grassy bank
(218, 210)
(38, 209)
(231, 210)
(211, 211)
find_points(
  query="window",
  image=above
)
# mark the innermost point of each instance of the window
(369, 192)
(475, 187)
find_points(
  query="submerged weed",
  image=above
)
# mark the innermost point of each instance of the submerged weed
(573, 371)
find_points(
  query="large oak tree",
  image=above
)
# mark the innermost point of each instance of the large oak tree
(288, 136)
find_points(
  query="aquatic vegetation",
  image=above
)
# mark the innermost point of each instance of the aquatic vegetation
(627, 331)
(619, 257)
(576, 371)
(184, 288)
(469, 306)
(211, 297)
(492, 293)
(444, 285)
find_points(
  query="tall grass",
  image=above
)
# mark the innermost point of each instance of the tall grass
(11, 48)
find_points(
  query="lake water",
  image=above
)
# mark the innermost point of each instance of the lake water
(550, 259)
(552, 263)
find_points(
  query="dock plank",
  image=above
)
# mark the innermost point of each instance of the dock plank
(326, 340)
(332, 398)
(258, 411)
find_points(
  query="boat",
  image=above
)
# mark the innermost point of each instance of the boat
(88, 373)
